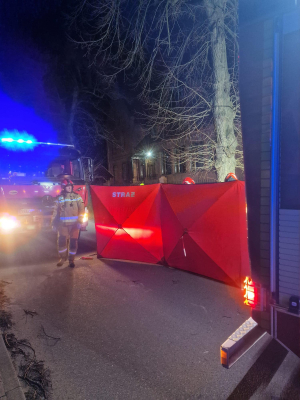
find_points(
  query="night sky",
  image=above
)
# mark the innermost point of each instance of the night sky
(36, 61)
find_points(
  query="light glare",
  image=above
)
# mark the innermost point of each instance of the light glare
(17, 141)
(8, 223)
(9, 140)
(85, 217)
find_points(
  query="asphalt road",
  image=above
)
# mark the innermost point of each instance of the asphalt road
(136, 331)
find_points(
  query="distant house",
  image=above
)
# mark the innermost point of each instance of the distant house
(135, 158)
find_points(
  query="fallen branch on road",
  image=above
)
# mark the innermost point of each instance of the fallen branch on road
(43, 335)
(15, 345)
(5, 320)
(31, 313)
(31, 371)
(35, 374)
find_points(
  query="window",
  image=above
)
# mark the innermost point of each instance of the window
(182, 167)
(75, 166)
(142, 167)
(179, 162)
(124, 171)
(56, 169)
(197, 159)
(166, 164)
(151, 170)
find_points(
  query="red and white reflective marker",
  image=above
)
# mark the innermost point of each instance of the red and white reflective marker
(249, 332)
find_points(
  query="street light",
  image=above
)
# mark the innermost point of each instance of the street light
(149, 153)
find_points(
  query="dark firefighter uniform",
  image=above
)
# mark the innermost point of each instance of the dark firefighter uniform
(67, 218)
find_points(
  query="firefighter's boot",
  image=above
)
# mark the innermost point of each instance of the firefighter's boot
(61, 262)
(73, 247)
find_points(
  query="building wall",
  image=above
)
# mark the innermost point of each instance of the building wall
(259, 21)
(256, 52)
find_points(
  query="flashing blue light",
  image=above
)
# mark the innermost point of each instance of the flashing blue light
(17, 141)
(9, 140)
(24, 143)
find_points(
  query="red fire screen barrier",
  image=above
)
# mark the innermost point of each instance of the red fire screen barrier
(198, 228)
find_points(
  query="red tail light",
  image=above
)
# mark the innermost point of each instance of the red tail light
(250, 292)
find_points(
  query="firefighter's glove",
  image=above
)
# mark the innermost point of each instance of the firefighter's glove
(78, 225)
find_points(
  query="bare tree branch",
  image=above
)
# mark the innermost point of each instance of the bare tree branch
(181, 56)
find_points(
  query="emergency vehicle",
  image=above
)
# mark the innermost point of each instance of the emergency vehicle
(269, 67)
(30, 177)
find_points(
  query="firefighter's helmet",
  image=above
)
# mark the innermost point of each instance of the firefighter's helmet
(66, 182)
(188, 181)
(231, 177)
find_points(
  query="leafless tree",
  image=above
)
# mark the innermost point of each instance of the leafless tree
(182, 57)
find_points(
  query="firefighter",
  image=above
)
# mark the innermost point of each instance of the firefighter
(67, 219)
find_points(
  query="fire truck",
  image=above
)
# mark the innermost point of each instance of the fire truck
(30, 176)
(270, 103)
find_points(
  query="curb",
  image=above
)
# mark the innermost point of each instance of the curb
(10, 388)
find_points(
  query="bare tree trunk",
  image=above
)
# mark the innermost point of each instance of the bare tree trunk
(223, 108)
(178, 98)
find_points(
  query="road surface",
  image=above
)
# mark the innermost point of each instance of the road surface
(136, 331)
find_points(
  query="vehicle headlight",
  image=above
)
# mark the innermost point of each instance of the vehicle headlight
(8, 223)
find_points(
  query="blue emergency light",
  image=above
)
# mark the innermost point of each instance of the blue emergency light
(17, 141)
(10, 140)
(22, 141)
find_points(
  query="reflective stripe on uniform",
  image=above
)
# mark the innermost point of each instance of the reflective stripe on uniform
(62, 201)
